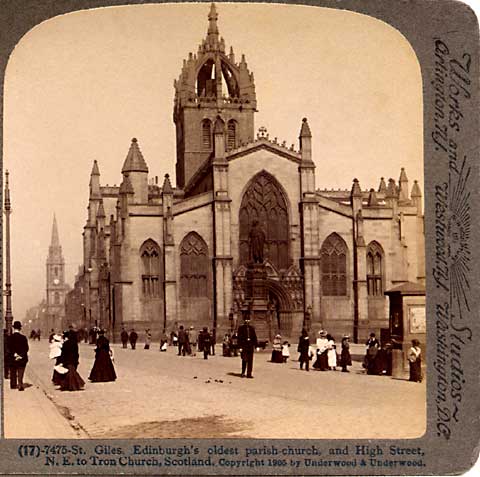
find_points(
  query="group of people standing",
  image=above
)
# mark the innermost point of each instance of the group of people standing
(326, 352)
(64, 350)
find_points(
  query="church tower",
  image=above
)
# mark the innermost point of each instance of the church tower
(212, 84)
(56, 286)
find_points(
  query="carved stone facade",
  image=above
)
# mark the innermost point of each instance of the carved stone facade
(160, 256)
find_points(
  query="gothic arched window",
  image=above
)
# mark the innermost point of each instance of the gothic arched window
(56, 298)
(231, 135)
(374, 269)
(194, 266)
(151, 268)
(207, 134)
(265, 202)
(334, 266)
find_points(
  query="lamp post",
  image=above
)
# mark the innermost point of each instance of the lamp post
(89, 296)
(8, 283)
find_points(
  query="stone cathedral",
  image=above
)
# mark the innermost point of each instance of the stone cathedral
(156, 255)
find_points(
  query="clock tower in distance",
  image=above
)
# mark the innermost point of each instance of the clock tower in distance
(56, 287)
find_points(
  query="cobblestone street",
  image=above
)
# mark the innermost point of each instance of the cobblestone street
(163, 395)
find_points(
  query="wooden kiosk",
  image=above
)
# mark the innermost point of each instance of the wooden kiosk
(407, 321)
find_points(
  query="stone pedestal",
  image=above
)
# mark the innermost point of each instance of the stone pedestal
(256, 307)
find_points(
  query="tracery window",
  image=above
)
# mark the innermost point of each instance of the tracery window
(194, 266)
(151, 262)
(56, 298)
(264, 201)
(207, 134)
(231, 134)
(334, 266)
(374, 269)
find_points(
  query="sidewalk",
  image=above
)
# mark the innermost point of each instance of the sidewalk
(31, 414)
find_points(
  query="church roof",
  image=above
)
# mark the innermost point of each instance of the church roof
(134, 161)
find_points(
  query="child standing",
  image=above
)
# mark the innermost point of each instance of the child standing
(285, 351)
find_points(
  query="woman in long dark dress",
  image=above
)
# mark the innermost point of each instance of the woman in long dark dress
(69, 358)
(103, 370)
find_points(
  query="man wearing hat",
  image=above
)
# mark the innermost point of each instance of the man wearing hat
(18, 351)
(247, 342)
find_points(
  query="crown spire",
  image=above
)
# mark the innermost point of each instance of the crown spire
(212, 35)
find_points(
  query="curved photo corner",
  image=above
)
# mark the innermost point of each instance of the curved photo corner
(288, 189)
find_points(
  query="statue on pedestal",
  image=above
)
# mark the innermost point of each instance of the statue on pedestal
(256, 240)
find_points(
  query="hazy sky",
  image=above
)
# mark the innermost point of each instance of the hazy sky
(80, 86)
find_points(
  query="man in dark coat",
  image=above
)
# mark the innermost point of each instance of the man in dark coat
(247, 342)
(18, 356)
(124, 337)
(133, 338)
(182, 341)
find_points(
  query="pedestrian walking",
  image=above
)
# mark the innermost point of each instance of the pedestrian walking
(182, 341)
(415, 362)
(55, 353)
(304, 349)
(331, 353)
(148, 338)
(18, 356)
(321, 362)
(132, 337)
(50, 336)
(124, 337)
(71, 381)
(103, 370)
(346, 358)
(247, 342)
(206, 340)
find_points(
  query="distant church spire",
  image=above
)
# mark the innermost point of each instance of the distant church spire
(55, 242)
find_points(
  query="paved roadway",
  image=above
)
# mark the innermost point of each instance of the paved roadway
(164, 395)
